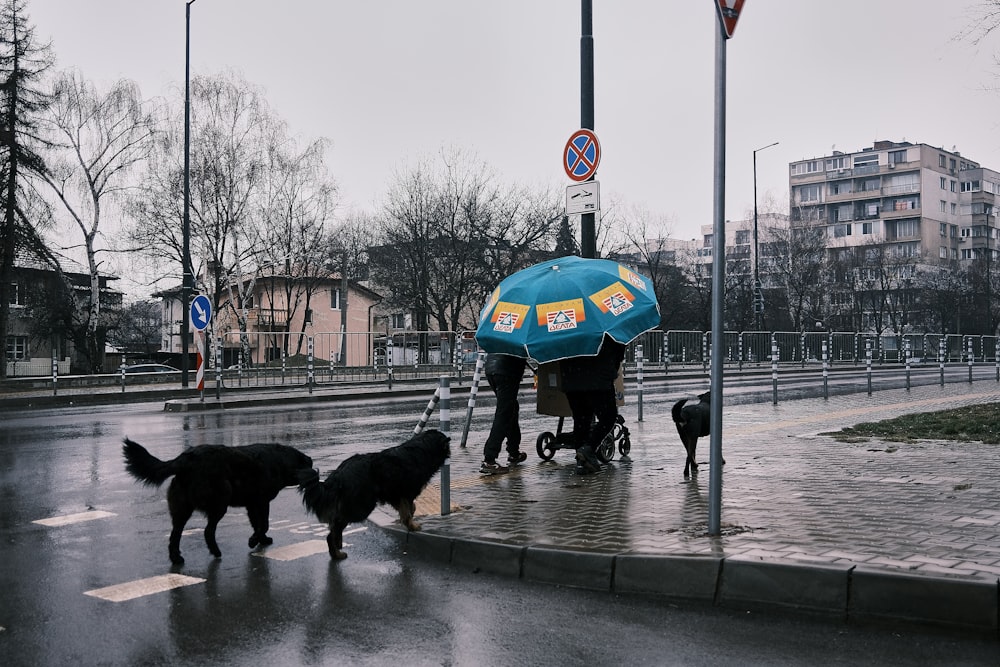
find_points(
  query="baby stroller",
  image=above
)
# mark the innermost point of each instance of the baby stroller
(552, 401)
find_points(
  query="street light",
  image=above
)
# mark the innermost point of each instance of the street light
(758, 296)
(187, 273)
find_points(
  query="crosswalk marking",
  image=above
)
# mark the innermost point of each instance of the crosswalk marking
(302, 549)
(68, 519)
(142, 587)
(294, 551)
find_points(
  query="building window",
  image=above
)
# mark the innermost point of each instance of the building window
(952, 164)
(943, 228)
(335, 298)
(867, 227)
(17, 348)
(944, 207)
(952, 185)
(954, 208)
(895, 157)
(941, 161)
(248, 302)
(742, 237)
(839, 231)
(398, 321)
(967, 253)
(808, 193)
(906, 228)
(944, 183)
(942, 252)
(17, 296)
(970, 186)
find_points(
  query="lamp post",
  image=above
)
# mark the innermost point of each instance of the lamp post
(758, 296)
(187, 273)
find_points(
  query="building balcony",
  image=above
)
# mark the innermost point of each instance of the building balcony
(894, 214)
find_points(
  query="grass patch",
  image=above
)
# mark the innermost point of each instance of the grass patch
(980, 423)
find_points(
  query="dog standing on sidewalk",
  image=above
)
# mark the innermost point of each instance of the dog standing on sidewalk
(692, 421)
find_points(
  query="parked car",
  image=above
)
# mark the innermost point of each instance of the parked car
(151, 368)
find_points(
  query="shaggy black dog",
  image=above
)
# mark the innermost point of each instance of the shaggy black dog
(393, 476)
(212, 478)
(692, 422)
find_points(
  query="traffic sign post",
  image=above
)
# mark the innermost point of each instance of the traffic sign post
(201, 315)
(583, 198)
(581, 155)
(201, 312)
(729, 12)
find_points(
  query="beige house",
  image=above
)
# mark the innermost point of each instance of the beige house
(283, 314)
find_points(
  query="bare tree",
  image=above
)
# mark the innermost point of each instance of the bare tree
(99, 138)
(297, 203)
(449, 231)
(798, 265)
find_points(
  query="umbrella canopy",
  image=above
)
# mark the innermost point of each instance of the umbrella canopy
(562, 308)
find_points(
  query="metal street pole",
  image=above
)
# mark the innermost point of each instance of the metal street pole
(718, 283)
(588, 242)
(758, 296)
(187, 277)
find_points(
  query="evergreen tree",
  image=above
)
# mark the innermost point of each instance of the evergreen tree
(566, 240)
(22, 64)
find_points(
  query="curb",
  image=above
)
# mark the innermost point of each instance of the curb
(849, 593)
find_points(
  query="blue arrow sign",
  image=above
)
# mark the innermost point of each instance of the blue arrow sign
(201, 312)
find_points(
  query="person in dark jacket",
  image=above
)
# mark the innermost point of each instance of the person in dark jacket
(589, 385)
(504, 373)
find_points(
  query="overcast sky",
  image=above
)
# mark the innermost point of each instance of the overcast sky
(391, 81)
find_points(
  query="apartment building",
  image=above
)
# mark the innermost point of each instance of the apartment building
(916, 200)
(903, 215)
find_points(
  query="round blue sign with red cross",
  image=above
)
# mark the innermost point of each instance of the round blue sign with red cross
(582, 155)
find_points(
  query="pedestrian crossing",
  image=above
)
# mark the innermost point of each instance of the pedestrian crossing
(139, 588)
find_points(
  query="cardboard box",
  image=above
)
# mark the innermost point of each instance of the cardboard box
(551, 399)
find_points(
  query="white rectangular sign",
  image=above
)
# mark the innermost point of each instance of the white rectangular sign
(583, 198)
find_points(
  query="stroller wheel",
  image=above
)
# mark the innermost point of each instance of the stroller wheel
(626, 442)
(545, 444)
(606, 450)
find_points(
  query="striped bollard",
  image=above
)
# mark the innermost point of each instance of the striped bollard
(55, 371)
(473, 392)
(941, 357)
(868, 362)
(218, 368)
(909, 358)
(431, 404)
(826, 371)
(445, 422)
(309, 363)
(638, 378)
(774, 369)
(970, 360)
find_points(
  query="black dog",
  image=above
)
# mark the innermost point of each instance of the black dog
(393, 476)
(212, 478)
(692, 423)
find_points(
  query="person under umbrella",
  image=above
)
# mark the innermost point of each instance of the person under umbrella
(504, 373)
(589, 385)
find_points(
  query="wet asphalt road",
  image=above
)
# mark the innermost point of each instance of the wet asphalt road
(379, 607)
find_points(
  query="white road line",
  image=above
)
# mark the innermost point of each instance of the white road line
(302, 549)
(294, 551)
(68, 519)
(142, 587)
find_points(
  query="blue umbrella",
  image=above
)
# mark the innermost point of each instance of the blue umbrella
(562, 308)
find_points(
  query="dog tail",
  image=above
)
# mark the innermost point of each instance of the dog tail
(145, 467)
(316, 497)
(675, 412)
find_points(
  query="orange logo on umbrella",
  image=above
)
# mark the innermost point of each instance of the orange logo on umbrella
(509, 316)
(614, 299)
(632, 277)
(560, 315)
